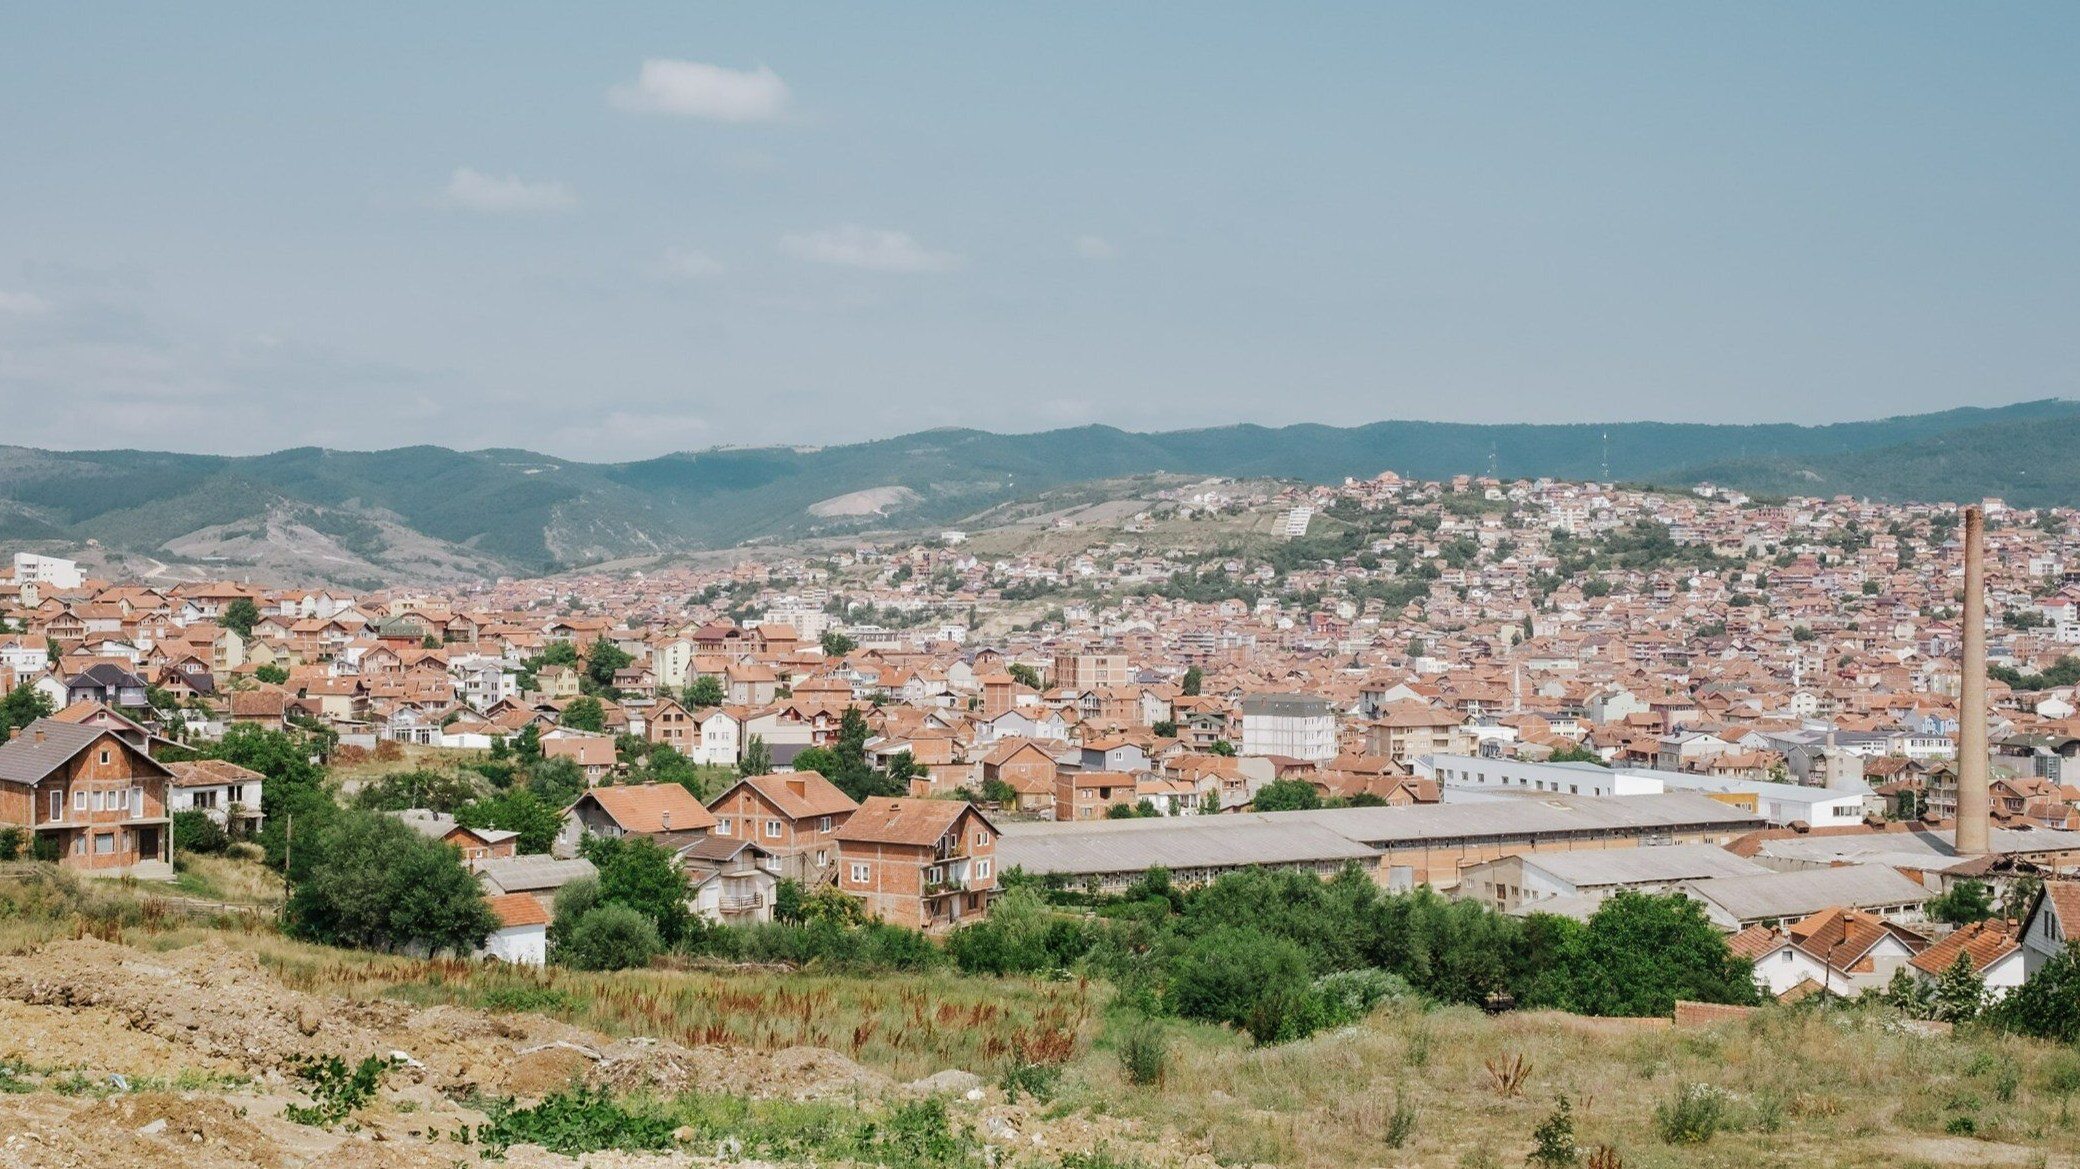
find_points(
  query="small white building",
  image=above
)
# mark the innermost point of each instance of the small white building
(223, 791)
(522, 936)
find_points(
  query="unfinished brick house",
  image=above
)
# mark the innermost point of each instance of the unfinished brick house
(88, 799)
(929, 864)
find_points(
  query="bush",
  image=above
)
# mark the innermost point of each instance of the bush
(195, 831)
(1692, 1116)
(336, 1091)
(1552, 1142)
(1350, 995)
(10, 843)
(1401, 1123)
(586, 1120)
(1144, 1053)
(610, 937)
(1245, 979)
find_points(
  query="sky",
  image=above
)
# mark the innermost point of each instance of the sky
(611, 231)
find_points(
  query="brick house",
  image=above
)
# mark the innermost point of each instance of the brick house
(665, 812)
(930, 864)
(793, 815)
(1089, 795)
(1028, 768)
(98, 802)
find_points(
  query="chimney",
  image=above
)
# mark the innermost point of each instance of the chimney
(667, 816)
(39, 734)
(1974, 795)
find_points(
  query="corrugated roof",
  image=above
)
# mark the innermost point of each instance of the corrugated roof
(533, 874)
(1588, 868)
(1183, 842)
(1796, 894)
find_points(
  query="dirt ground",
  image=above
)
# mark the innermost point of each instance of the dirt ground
(96, 1039)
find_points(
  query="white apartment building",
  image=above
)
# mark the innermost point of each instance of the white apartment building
(1294, 725)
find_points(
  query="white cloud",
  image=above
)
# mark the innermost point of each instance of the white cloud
(691, 89)
(1093, 247)
(690, 264)
(481, 192)
(21, 304)
(878, 249)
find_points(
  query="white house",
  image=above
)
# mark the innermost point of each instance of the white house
(522, 936)
(2053, 923)
(218, 789)
(722, 739)
(1990, 947)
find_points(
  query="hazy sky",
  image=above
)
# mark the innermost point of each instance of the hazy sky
(616, 230)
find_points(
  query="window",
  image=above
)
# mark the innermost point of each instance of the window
(772, 829)
(824, 825)
(982, 840)
(722, 826)
(57, 805)
(79, 800)
(104, 843)
(104, 756)
(981, 869)
(859, 874)
(136, 801)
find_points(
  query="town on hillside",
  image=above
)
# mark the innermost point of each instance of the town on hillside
(1534, 696)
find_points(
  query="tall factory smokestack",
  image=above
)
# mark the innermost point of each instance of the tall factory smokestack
(1974, 796)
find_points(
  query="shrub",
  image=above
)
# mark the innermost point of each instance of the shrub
(1552, 1142)
(195, 831)
(10, 843)
(1349, 995)
(1245, 979)
(1692, 1116)
(1037, 1080)
(585, 1120)
(335, 1090)
(1144, 1053)
(610, 937)
(1401, 1123)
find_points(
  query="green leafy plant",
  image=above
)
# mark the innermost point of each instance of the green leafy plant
(1144, 1053)
(1692, 1116)
(336, 1091)
(1553, 1144)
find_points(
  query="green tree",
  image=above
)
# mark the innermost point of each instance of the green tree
(21, 706)
(602, 662)
(1194, 681)
(1963, 903)
(1640, 953)
(240, 616)
(1286, 795)
(1024, 675)
(585, 714)
(272, 675)
(706, 691)
(374, 883)
(756, 758)
(1960, 991)
(1221, 747)
(519, 810)
(1576, 753)
(836, 644)
(641, 874)
(2046, 1006)
(610, 937)
(1243, 978)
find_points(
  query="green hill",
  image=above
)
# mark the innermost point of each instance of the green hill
(518, 511)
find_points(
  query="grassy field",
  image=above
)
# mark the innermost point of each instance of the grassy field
(1409, 1085)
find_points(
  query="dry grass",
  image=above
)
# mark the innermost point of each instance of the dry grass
(235, 880)
(1805, 1089)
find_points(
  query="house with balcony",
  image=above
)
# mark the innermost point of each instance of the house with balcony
(89, 800)
(795, 816)
(928, 864)
(731, 881)
(219, 789)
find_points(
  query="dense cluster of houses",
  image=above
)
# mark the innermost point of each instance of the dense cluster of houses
(1792, 662)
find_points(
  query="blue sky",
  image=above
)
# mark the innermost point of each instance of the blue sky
(612, 231)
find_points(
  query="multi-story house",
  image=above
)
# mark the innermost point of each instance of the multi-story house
(89, 799)
(930, 864)
(795, 816)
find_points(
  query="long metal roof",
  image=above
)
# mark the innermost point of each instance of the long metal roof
(1330, 834)
(1595, 867)
(1805, 891)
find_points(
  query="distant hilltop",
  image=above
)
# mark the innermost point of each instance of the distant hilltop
(429, 512)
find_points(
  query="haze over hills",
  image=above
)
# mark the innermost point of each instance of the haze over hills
(430, 512)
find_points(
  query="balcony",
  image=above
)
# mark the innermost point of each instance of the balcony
(744, 903)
